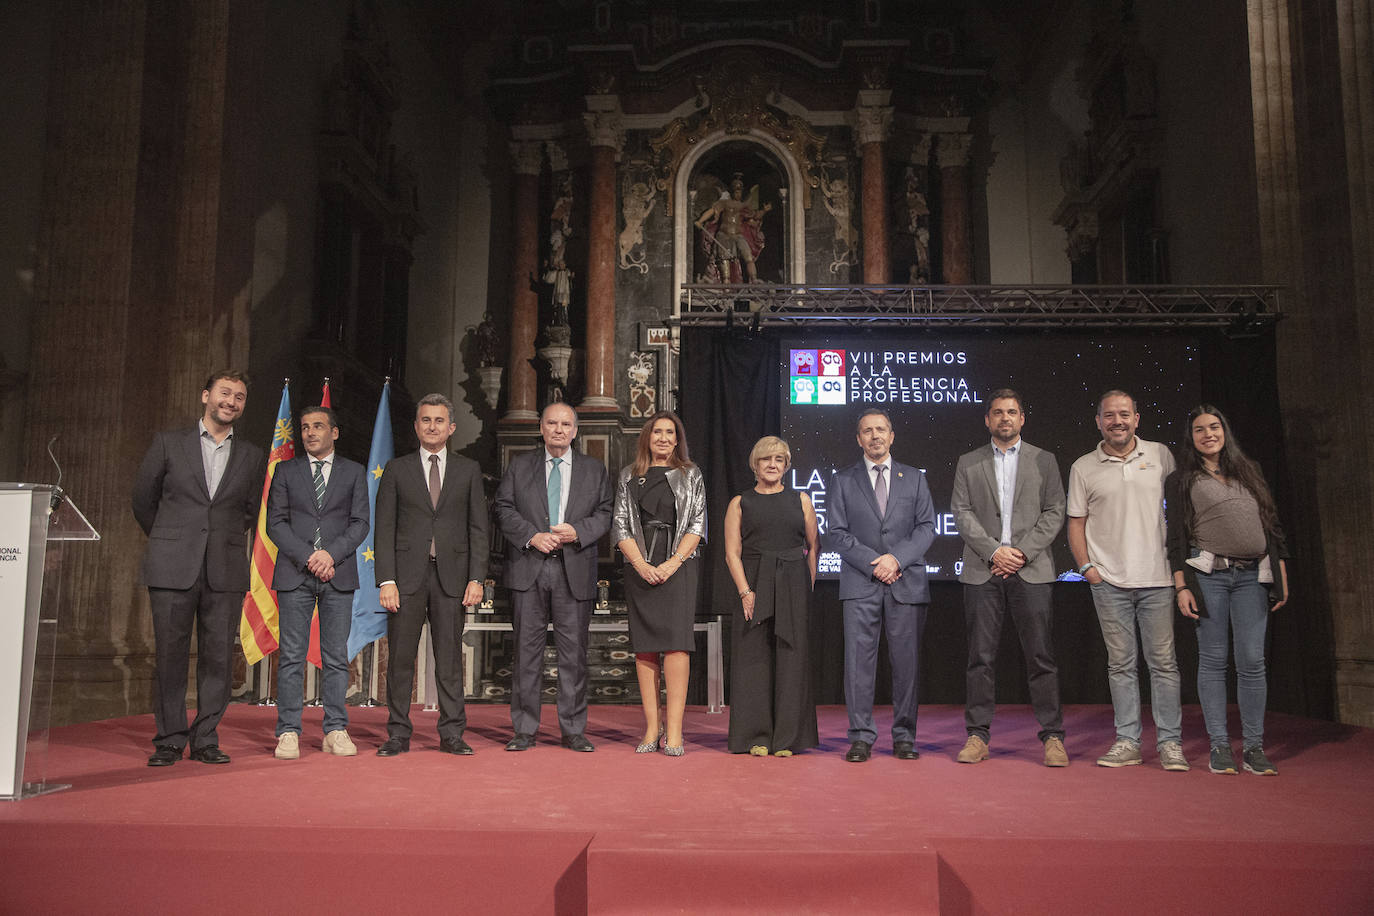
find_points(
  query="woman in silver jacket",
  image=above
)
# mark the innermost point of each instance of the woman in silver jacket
(660, 518)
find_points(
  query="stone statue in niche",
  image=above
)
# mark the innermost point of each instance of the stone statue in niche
(839, 203)
(638, 202)
(732, 234)
(914, 220)
(486, 342)
(556, 272)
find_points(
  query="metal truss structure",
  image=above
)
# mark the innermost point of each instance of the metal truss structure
(1238, 310)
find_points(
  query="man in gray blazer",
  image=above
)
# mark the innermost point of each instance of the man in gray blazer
(196, 496)
(881, 521)
(553, 505)
(1009, 505)
(317, 516)
(430, 538)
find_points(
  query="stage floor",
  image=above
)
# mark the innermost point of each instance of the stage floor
(550, 830)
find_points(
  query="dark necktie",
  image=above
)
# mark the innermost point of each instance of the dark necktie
(433, 491)
(319, 495)
(880, 490)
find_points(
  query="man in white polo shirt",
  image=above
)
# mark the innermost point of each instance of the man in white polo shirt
(1116, 533)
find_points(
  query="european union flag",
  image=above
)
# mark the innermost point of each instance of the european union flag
(369, 618)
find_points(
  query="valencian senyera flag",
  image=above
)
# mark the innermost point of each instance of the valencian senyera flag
(369, 618)
(258, 627)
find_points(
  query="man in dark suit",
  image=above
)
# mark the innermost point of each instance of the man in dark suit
(1009, 505)
(553, 505)
(881, 522)
(317, 517)
(430, 538)
(196, 496)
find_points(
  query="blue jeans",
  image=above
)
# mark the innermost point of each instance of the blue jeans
(296, 607)
(1121, 611)
(1236, 603)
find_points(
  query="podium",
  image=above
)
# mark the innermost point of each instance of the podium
(36, 522)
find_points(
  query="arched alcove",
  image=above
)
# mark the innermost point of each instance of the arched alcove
(779, 179)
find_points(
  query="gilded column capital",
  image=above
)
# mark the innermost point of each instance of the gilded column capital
(872, 124)
(605, 122)
(953, 150)
(526, 156)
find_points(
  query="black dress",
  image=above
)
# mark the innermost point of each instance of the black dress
(661, 616)
(770, 667)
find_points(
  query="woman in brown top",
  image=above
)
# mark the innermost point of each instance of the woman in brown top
(1227, 555)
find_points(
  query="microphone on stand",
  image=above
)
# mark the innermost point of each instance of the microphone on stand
(57, 487)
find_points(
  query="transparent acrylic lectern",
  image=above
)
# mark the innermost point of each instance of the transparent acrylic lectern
(36, 521)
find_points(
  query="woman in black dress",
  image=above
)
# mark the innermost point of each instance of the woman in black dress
(771, 548)
(660, 518)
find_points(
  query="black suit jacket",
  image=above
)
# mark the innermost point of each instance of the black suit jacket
(186, 528)
(292, 518)
(406, 522)
(522, 510)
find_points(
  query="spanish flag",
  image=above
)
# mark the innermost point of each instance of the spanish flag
(258, 627)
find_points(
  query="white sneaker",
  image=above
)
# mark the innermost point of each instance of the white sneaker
(1171, 757)
(288, 746)
(1122, 754)
(338, 743)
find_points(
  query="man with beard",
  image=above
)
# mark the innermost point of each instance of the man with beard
(1116, 533)
(196, 495)
(1009, 505)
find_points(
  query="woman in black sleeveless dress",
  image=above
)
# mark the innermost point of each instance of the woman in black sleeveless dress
(659, 519)
(771, 548)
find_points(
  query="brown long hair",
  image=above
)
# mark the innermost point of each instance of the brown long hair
(643, 457)
(1234, 464)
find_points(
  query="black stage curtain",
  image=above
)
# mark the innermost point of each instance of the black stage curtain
(731, 389)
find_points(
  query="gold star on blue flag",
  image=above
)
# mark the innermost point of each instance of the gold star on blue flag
(369, 617)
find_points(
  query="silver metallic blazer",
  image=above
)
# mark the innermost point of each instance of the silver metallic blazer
(689, 502)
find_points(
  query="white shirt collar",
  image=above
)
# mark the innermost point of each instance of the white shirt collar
(870, 465)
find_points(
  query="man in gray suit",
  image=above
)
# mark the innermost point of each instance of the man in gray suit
(431, 552)
(1009, 505)
(881, 521)
(196, 496)
(553, 505)
(317, 517)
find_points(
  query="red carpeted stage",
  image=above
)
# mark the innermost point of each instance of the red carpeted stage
(550, 830)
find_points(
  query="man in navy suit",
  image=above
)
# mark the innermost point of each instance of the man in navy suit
(881, 521)
(317, 517)
(196, 496)
(553, 505)
(431, 549)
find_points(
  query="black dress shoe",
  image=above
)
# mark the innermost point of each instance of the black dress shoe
(164, 756)
(521, 742)
(455, 746)
(209, 754)
(393, 746)
(578, 743)
(905, 750)
(858, 752)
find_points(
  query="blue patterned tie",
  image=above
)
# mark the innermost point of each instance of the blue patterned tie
(319, 495)
(555, 491)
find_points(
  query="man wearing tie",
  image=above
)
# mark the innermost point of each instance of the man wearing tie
(553, 505)
(1009, 505)
(317, 517)
(881, 521)
(431, 552)
(196, 495)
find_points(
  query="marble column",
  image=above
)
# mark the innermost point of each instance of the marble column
(872, 128)
(138, 295)
(521, 403)
(606, 136)
(952, 153)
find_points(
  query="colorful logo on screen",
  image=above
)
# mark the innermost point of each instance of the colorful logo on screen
(818, 376)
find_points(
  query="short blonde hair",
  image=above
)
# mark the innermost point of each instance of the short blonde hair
(769, 445)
